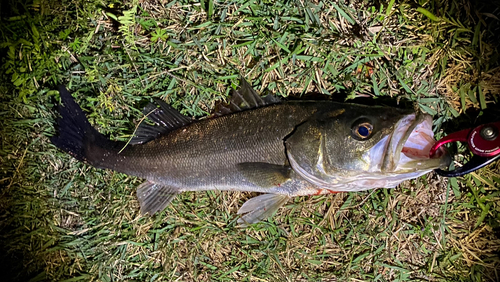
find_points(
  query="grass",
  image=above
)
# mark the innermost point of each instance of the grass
(62, 220)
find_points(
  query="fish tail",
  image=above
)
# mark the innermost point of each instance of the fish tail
(78, 138)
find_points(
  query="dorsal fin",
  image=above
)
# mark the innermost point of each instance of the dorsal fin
(165, 119)
(244, 98)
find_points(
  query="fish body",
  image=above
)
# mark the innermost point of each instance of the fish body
(281, 149)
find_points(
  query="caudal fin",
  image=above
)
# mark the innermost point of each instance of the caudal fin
(76, 136)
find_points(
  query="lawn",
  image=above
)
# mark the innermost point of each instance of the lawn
(62, 220)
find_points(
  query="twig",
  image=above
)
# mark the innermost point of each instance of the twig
(135, 130)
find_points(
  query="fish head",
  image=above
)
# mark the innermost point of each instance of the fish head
(357, 147)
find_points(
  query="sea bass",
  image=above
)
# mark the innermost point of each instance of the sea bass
(259, 144)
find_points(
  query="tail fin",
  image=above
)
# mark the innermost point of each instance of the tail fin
(76, 136)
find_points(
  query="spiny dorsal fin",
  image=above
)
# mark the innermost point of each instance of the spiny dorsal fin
(244, 98)
(154, 197)
(165, 119)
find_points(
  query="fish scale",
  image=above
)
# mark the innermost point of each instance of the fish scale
(281, 149)
(210, 150)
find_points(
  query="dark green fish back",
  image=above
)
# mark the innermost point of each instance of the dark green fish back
(194, 155)
(207, 152)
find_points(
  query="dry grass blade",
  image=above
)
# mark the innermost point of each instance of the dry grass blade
(64, 221)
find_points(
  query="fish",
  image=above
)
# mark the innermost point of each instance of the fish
(281, 149)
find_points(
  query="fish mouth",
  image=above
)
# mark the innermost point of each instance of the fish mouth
(410, 144)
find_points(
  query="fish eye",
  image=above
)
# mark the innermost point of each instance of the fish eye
(361, 130)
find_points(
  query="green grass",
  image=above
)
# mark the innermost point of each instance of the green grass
(62, 220)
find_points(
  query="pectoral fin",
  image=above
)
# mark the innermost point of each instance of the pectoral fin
(155, 197)
(264, 174)
(260, 208)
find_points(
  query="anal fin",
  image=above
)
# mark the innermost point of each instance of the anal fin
(261, 207)
(155, 197)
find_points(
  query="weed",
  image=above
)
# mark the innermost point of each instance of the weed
(63, 220)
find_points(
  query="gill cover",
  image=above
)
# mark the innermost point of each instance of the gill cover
(333, 144)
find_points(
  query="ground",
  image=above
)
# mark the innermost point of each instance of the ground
(62, 220)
